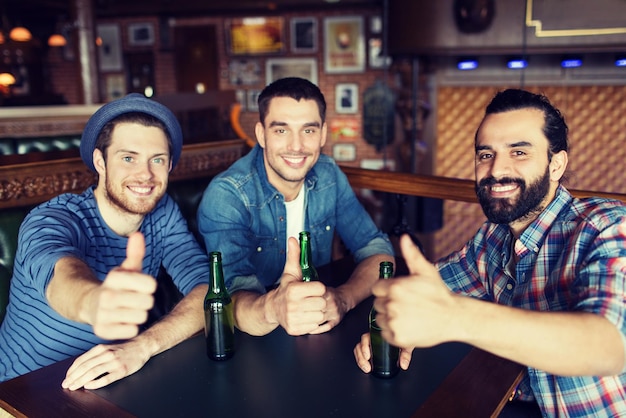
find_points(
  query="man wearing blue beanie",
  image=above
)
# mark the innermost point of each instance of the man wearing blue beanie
(86, 264)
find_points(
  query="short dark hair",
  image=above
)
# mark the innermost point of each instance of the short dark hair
(295, 88)
(554, 128)
(104, 137)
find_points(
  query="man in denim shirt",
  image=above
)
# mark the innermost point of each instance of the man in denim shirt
(253, 212)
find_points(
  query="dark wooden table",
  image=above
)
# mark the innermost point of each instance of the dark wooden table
(279, 375)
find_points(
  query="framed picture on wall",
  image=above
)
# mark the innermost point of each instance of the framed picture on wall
(244, 71)
(276, 68)
(253, 97)
(344, 152)
(110, 50)
(303, 35)
(376, 57)
(344, 45)
(115, 87)
(240, 96)
(346, 98)
(255, 35)
(140, 34)
(344, 129)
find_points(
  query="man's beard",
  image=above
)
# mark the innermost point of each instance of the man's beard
(117, 198)
(505, 211)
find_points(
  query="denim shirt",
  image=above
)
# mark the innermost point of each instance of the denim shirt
(244, 217)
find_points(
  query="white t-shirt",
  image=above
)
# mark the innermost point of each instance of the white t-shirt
(295, 216)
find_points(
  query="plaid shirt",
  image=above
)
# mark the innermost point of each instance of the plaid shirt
(567, 262)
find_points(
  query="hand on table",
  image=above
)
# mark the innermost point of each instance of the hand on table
(296, 305)
(363, 355)
(103, 365)
(123, 300)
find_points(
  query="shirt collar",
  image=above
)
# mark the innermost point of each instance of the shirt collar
(535, 234)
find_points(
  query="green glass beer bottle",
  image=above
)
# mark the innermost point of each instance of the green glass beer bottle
(219, 323)
(384, 355)
(309, 273)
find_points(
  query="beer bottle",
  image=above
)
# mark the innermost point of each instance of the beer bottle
(384, 355)
(309, 273)
(219, 323)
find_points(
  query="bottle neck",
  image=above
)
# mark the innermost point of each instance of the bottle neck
(216, 282)
(305, 252)
(386, 270)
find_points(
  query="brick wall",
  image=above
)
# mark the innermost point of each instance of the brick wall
(65, 76)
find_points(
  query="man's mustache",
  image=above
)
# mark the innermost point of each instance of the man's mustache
(490, 181)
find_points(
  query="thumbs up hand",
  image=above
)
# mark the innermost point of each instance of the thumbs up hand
(295, 305)
(123, 300)
(417, 310)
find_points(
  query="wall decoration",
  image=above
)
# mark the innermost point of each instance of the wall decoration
(379, 115)
(378, 164)
(244, 72)
(344, 152)
(344, 129)
(253, 97)
(304, 35)
(376, 57)
(110, 50)
(140, 34)
(344, 46)
(115, 86)
(346, 98)
(255, 35)
(240, 96)
(376, 24)
(276, 68)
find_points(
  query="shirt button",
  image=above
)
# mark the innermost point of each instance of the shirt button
(509, 286)
(280, 218)
(259, 249)
(328, 227)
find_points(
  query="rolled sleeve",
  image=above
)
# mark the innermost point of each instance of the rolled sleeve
(379, 245)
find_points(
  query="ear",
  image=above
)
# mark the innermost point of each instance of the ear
(259, 131)
(558, 165)
(98, 162)
(324, 133)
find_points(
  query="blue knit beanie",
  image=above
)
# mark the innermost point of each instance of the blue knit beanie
(133, 102)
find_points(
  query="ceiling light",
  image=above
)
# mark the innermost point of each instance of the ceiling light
(571, 62)
(465, 64)
(20, 34)
(57, 40)
(516, 63)
(6, 79)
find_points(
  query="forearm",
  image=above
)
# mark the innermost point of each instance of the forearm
(562, 343)
(359, 284)
(185, 320)
(252, 312)
(70, 289)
